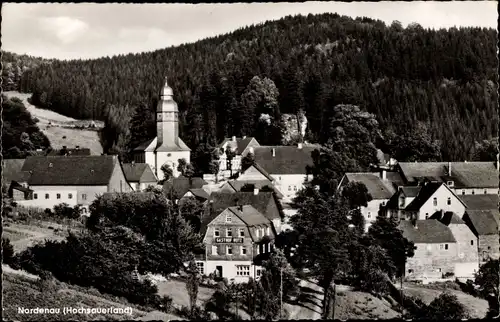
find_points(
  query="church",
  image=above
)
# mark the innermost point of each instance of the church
(167, 147)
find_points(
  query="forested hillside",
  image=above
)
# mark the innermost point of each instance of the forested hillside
(14, 66)
(441, 83)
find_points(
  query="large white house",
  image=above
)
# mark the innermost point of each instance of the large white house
(167, 147)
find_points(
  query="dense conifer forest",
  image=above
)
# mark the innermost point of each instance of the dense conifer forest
(441, 83)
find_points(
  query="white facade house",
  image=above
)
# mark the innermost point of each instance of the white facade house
(167, 147)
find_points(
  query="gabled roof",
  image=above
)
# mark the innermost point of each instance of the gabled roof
(150, 146)
(249, 215)
(12, 171)
(219, 201)
(425, 193)
(407, 192)
(480, 202)
(377, 188)
(287, 159)
(484, 222)
(257, 167)
(448, 218)
(70, 171)
(463, 174)
(240, 144)
(138, 172)
(258, 184)
(429, 231)
(200, 193)
(180, 185)
(70, 152)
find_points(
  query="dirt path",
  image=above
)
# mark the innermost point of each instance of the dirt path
(309, 305)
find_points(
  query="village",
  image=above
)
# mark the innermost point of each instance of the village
(449, 210)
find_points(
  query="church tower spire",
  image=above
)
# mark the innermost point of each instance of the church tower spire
(167, 121)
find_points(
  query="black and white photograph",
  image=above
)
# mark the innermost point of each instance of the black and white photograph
(250, 161)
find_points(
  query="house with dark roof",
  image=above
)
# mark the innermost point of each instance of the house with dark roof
(198, 193)
(464, 178)
(233, 239)
(176, 188)
(240, 147)
(436, 249)
(431, 198)
(265, 202)
(139, 175)
(483, 218)
(76, 180)
(286, 165)
(402, 198)
(467, 263)
(378, 187)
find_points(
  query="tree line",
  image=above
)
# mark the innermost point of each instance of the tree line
(442, 82)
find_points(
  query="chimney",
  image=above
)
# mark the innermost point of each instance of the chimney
(244, 136)
(274, 152)
(256, 191)
(77, 147)
(449, 169)
(234, 138)
(299, 146)
(383, 174)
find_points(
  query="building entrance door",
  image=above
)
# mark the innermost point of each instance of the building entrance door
(218, 271)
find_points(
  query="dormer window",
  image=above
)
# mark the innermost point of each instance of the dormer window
(401, 202)
(450, 183)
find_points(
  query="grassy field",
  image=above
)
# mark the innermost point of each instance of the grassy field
(177, 290)
(359, 305)
(60, 136)
(477, 307)
(24, 236)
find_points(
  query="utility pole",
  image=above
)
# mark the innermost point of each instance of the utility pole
(281, 292)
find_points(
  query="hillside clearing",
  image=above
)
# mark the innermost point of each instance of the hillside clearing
(55, 133)
(360, 305)
(23, 236)
(477, 307)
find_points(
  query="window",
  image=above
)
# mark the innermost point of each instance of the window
(46, 196)
(35, 196)
(485, 191)
(229, 232)
(450, 183)
(243, 250)
(383, 203)
(426, 215)
(229, 218)
(259, 272)
(463, 192)
(449, 201)
(268, 247)
(279, 178)
(446, 246)
(472, 242)
(410, 271)
(257, 232)
(258, 249)
(243, 270)
(70, 196)
(229, 250)
(58, 196)
(84, 196)
(215, 250)
(262, 232)
(294, 188)
(439, 270)
(369, 215)
(401, 202)
(473, 192)
(242, 232)
(435, 202)
(200, 266)
(268, 231)
(216, 232)
(289, 188)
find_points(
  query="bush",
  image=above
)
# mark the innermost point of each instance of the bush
(7, 251)
(374, 281)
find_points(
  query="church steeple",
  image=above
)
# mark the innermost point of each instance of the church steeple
(167, 119)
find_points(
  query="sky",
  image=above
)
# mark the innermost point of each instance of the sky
(89, 30)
